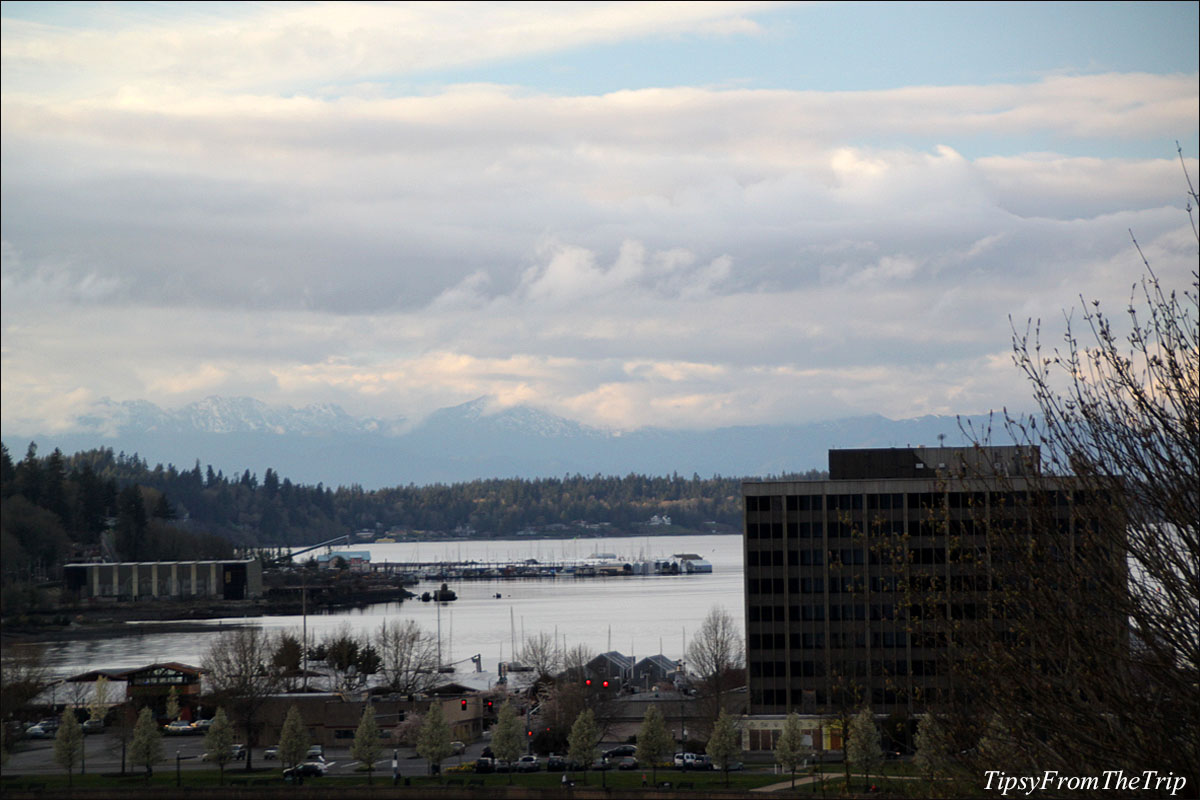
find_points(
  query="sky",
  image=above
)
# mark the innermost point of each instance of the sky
(684, 215)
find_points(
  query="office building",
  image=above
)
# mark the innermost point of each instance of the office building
(850, 581)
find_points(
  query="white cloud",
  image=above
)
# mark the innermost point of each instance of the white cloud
(292, 45)
(177, 224)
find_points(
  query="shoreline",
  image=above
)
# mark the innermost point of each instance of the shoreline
(105, 630)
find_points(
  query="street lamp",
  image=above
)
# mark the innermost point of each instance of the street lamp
(178, 756)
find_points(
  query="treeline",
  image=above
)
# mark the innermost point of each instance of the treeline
(56, 509)
(56, 502)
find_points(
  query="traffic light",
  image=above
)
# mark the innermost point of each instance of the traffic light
(489, 705)
(605, 684)
(587, 682)
(464, 704)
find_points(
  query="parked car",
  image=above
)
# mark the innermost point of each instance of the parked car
(40, 732)
(271, 753)
(685, 760)
(237, 753)
(702, 762)
(457, 747)
(484, 765)
(600, 764)
(621, 750)
(528, 764)
(316, 752)
(202, 725)
(309, 769)
(627, 762)
(93, 726)
(555, 763)
(499, 765)
(179, 727)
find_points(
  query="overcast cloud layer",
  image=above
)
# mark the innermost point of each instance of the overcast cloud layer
(315, 203)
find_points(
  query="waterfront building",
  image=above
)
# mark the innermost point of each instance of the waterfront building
(355, 560)
(850, 581)
(134, 580)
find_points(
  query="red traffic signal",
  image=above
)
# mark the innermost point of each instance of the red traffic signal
(489, 705)
(587, 682)
(605, 684)
(464, 704)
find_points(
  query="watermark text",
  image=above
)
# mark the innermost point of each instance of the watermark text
(1117, 780)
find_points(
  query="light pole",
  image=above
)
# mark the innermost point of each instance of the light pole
(177, 773)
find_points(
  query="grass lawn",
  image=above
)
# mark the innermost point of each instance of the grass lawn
(164, 778)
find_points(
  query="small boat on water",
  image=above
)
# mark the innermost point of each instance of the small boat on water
(445, 594)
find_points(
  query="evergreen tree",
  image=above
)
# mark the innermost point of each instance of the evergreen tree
(218, 742)
(581, 743)
(863, 751)
(654, 743)
(68, 743)
(790, 750)
(366, 748)
(506, 736)
(433, 742)
(293, 739)
(724, 743)
(146, 748)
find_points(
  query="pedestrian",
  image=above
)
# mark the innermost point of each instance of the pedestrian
(643, 780)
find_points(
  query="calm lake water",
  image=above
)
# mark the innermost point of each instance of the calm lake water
(638, 615)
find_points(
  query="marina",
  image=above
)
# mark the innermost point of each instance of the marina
(636, 613)
(597, 565)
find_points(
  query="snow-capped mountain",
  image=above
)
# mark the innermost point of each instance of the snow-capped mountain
(224, 415)
(323, 443)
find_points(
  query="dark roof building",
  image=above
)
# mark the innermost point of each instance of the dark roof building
(131, 580)
(833, 569)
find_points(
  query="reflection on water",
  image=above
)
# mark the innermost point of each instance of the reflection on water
(639, 615)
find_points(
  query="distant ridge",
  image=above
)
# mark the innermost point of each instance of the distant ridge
(323, 443)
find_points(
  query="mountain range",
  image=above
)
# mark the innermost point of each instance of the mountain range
(323, 443)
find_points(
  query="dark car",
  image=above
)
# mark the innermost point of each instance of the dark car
(620, 751)
(627, 762)
(309, 769)
(556, 764)
(483, 765)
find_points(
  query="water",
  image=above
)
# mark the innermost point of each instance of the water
(637, 615)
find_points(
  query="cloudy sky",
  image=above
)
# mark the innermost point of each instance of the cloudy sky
(674, 214)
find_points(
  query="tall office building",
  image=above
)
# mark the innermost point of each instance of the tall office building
(855, 585)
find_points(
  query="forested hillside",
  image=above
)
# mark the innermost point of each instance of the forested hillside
(60, 507)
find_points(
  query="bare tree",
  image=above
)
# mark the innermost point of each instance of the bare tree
(718, 655)
(240, 673)
(541, 652)
(23, 675)
(408, 656)
(575, 661)
(1087, 656)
